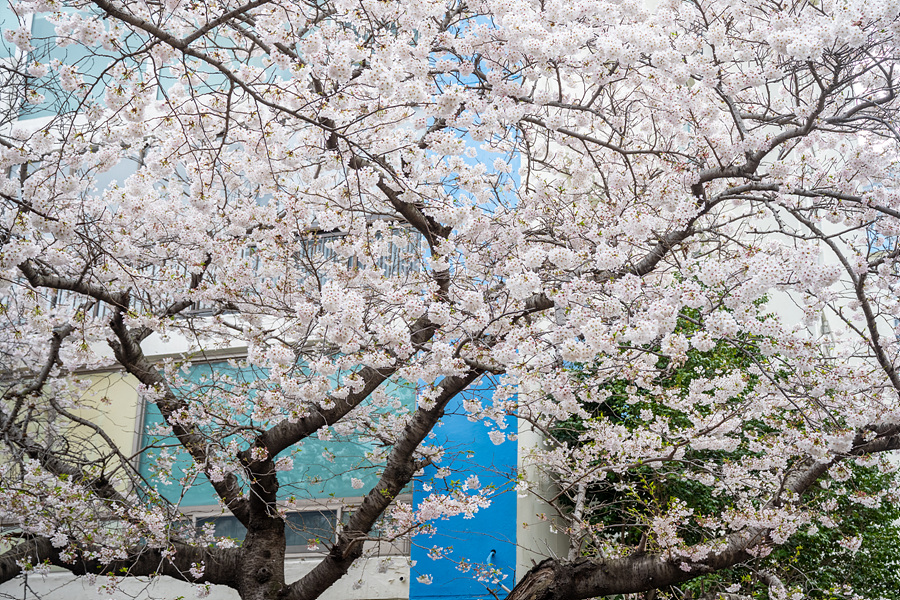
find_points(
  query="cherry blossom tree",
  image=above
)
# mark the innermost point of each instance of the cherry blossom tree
(360, 192)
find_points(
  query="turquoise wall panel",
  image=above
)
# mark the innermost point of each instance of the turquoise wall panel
(321, 469)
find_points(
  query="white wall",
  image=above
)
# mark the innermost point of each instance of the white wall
(378, 578)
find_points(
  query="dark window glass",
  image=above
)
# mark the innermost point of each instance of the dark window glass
(302, 529)
(307, 528)
(226, 526)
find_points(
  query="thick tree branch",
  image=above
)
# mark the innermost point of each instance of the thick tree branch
(176, 561)
(128, 352)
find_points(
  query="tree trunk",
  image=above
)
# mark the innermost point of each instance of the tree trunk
(261, 574)
(261, 566)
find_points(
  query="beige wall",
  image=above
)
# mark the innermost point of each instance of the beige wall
(112, 404)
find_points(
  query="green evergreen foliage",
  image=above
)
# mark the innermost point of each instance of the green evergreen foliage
(812, 563)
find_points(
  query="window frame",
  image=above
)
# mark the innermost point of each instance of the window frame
(342, 508)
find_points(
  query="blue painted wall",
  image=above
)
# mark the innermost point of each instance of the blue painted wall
(490, 535)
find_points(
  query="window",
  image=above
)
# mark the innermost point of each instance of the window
(307, 531)
(312, 530)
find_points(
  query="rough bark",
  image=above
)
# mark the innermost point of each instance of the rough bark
(142, 561)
